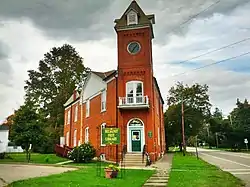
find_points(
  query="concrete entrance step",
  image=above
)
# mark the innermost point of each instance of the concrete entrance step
(155, 184)
(156, 181)
(159, 178)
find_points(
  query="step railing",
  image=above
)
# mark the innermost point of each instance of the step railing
(145, 153)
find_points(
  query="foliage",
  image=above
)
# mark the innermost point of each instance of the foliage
(27, 127)
(196, 111)
(113, 167)
(59, 73)
(83, 153)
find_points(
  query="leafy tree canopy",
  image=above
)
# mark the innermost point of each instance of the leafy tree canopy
(59, 73)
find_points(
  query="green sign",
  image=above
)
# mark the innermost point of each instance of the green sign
(150, 134)
(111, 136)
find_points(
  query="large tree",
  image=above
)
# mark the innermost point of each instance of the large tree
(59, 73)
(196, 104)
(27, 127)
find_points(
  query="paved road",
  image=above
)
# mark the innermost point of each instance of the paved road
(236, 163)
(14, 172)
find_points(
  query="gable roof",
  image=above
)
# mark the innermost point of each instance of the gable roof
(71, 99)
(104, 75)
(158, 89)
(143, 19)
(4, 127)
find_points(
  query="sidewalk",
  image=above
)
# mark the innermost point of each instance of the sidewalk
(163, 167)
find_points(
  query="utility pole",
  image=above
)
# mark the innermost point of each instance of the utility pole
(216, 135)
(182, 127)
(196, 145)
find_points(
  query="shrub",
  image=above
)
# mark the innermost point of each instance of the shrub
(2, 155)
(83, 153)
(46, 159)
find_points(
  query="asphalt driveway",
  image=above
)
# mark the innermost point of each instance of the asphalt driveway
(14, 172)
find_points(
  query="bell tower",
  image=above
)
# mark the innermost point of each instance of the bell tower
(134, 38)
(135, 82)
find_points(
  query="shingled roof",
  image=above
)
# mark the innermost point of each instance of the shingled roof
(143, 19)
(104, 75)
(4, 127)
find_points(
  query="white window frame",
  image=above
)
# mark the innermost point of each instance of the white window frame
(132, 13)
(67, 138)
(75, 138)
(134, 83)
(103, 100)
(76, 113)
(68, 117)
(86, 134)
(87, 108)
(102, 127)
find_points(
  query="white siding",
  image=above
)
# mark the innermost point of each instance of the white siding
(94, 85)
(4, 135)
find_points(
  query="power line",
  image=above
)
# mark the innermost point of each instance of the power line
(214, 63)
(196, 15)
(212, 51)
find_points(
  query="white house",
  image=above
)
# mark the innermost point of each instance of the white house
(4, 135)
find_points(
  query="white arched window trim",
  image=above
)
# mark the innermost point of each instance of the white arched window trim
(75, 137)
(132, 18)
(133, 95)
(102, 127)
(67, 138)
(86, 134)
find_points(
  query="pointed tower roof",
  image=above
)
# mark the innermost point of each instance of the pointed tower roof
(143, 19)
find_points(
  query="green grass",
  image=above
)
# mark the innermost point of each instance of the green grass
(35, 158)
(198, 173)
(86, 177)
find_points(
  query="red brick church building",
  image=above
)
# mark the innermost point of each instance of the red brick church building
(127, 98)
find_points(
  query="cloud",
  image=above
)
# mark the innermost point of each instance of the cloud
(30, 29)
(93, 20)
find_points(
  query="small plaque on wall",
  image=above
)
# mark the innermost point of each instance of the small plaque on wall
(150, 134)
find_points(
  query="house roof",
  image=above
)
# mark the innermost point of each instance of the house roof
(104, 75)
(144, 20)
(71, 99)
(4, 127)
(158, 88)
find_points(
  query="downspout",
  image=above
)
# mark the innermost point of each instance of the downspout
(70, 126)
(81, 105)
(116, 113)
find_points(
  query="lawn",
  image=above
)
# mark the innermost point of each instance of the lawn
(35, 158)
(86, 177)
(189, 172)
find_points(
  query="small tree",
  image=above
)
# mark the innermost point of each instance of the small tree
(26, 128)
(83, 153)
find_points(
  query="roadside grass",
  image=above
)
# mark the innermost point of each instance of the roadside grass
(35, 158)
(228, 149)
(188, 171)
(86, 177)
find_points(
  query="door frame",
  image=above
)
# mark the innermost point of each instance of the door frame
(129, 138)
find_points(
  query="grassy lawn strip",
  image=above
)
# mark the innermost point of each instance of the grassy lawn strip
(35, 158)
(189, 172)
(87, 177)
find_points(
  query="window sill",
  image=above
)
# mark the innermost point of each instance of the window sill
(103, 145)
(103, 110)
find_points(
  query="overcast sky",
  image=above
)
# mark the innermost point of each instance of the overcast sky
(28, 29)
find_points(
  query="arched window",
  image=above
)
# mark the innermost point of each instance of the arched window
(134, 92)
(87, 135)
(135, 122)
(67, 138)
(102, 127)
(75, 137)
